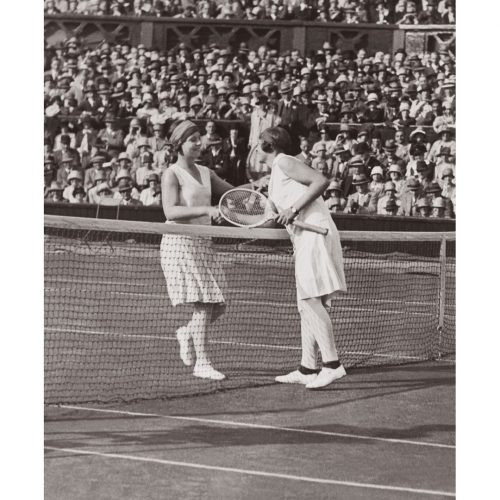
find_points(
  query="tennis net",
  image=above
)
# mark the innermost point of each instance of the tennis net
(110, 328)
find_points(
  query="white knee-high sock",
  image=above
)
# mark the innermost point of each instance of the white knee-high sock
(316, 331)
(197, 328)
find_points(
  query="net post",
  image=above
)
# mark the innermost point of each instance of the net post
(442, 294)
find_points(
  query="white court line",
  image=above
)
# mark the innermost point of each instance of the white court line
(223, 342)
(253, 472)
(262, 426)
(233, 290)
(251, 302)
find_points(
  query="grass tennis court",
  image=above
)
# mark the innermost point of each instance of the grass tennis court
(380, 433)
(120, 427)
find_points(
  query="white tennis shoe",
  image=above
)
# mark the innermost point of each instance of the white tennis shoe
(207, 371)
(296, 377)
(326, 376)
(186, 352)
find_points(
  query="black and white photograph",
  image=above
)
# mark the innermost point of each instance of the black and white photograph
(248, 259)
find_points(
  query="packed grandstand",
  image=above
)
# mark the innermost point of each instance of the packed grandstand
(380, 125)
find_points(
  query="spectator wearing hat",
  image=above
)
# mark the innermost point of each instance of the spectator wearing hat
(373, 113)
(125, 174)
(361, 201)
(152, 194)
(216, 159)
(66, 129)
(363, 150)
(146, 168)
(287, 106)
(148, 110)
(86, 138)
(438, 206)
(157, 142)
(75, 179)
(417, 152)
(425, 173)
(341, 157)
(386, 200)
(423, 208)
(334, 197)
(134, 136)
(443, 161)
(67, 165)
(124, 163)
(78, 195)
(105, 195)
(91, 102)
(376, 185)
(395, 174)
(324, 140)
(403, 117)
(305, 151)
(138, 149)
(322, 162)
(96, 163)
(54, 193)
(49, 173)
(258, 122)
(388, 157)
(92, 195)
(67, 151)
(408, 199)
(124, 191)
(445, 141)
(432, 191)
(112, 136)
(235, 149)
(448, 185)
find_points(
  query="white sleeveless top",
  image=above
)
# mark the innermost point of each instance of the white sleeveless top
(192, 193)
(319, 268)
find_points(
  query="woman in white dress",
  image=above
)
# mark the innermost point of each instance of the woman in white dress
(296, 190)
(191, 270)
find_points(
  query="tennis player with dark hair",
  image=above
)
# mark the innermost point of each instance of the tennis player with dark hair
(296, 190)
(191, 270)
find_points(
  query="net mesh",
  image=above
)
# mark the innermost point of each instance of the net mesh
(110, 326)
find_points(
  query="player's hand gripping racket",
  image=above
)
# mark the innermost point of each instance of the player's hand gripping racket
(247, 208)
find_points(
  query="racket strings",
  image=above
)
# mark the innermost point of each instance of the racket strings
(244, 207)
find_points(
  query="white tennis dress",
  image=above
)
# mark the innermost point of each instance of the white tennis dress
(189, 264)
(319, 267)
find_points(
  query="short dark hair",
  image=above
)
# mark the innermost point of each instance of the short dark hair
(275, 139)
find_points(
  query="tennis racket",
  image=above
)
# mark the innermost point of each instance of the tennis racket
(247, 208)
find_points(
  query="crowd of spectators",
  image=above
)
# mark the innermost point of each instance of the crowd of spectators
(108, 112)
(338, 11)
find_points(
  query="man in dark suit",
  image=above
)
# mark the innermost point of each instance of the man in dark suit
(67, 151)
(91, 103)
(216, 159)
(235, 151)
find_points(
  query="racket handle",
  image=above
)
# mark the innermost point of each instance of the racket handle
(310, 227)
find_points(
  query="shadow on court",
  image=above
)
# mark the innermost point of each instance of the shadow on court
(380, 433)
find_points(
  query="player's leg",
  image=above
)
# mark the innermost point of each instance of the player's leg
(198, 327)
(308, 369)
(321, 328)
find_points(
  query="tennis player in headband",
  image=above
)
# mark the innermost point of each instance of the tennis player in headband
(191, 270)
(295, 189)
